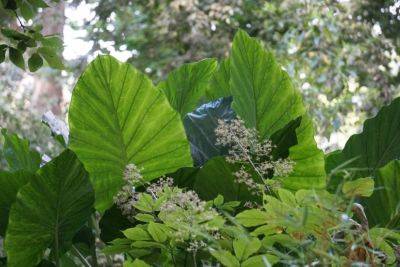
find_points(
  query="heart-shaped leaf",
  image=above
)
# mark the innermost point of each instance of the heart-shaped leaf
(48, 211)
(10, 183)
(185, 86)
(117, 117)
(18, 153)
(263, 95)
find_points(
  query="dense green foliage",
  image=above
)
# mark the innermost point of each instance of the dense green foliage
(28, 39)
(197, 179)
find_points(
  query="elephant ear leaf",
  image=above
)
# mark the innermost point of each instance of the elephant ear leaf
(10, 183)
(309, 162)
(187, 85)
(373, 148)
(48, 211)
(18, 153)
(219, 84)
(217, 177)
(263, 95)
(200, 128)
(118, 117)
(386, 194)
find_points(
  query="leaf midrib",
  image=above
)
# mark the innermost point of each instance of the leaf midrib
(114, 109)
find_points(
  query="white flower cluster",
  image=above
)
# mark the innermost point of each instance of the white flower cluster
(244, 177)
(195, 245)
(188, 200)
(158, 187)
(127, 196)
(245, 148)
(194, 217)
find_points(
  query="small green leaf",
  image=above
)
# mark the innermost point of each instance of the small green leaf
(15, 35)
(230, 206)
(287, 197)
(144, 217)
(264, 230)
(21, 46)
(147, 244)
(145, 203)
(362, 187)
(51, 57)
(52, 41)
(35, 62)
(27, 10)
(18, 154)
(219, 200)
(157, 232)
(39, 3)
(136, 263)
(16, 57)
(226, 258)
(137, 234)
(245, 247)
(119, 245)
(250, 218)
(30, 43)
(260, 260)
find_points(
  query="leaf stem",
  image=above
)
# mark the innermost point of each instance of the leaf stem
(194, 259)
(80, 256)
(94, 225)
(19, 20)
(57, 256)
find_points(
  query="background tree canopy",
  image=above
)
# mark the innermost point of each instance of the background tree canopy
(343, 55)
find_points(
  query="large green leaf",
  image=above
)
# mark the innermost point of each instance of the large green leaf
(185, 86)
(18, 153)
(383, 207)
(112, 224)
(48, 211)
(216, 178)
(263, 95)
(309, 168)
(117, 117)
(200, 128)
(377, 145)
(219, 84)
(10, 183)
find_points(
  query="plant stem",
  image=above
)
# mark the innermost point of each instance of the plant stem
(80, 256)
(94, 225)
(172, 256)
(57, 256)
(252, 164)
(19, 20)
(194, 259)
